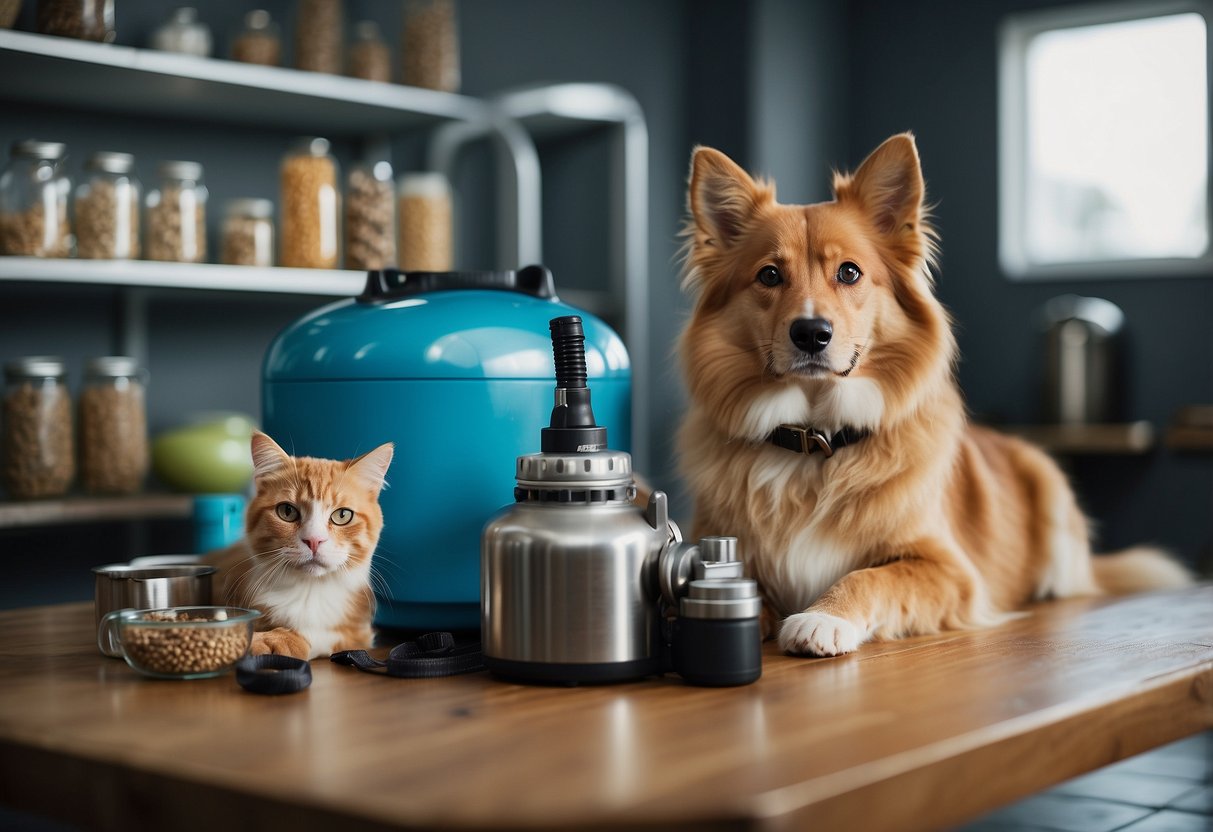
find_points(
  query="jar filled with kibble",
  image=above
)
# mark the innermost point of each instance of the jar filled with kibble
(33, 201)
(370, 58)
(178, 642)
(248, 233)
(370, 217)
(320, 36)
(107, 208)
(176, 215)
(81, 19)
(424, 211)
(38, 452)
(113, 426)
(258, 41)
(429, 45)
(311, 206)
(9, 9)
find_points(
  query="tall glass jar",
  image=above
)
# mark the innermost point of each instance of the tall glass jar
(113, 426)
(425, 222)
(370, 217)
(311, 206)
(176, 214)
(107, 208)
(184, 33)
(38, 450)
(81, 19)
(429, 45)
(248, 233)
(33, 201)
(370, 58)
(259, 41)
(320, 36)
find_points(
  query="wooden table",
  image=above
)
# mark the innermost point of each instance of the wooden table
(915, 734)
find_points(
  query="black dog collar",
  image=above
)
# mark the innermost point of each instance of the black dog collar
(810, 440)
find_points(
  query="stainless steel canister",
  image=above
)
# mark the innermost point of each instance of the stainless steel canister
(1081, 371)
(122, 586)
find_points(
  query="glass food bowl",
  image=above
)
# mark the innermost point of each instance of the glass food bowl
(179, 642)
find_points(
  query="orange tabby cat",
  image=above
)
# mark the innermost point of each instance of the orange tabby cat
(305, 558)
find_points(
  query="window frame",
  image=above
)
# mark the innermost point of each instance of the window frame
(1015, 33)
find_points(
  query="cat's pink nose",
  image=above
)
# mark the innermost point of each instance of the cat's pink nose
(313, 543)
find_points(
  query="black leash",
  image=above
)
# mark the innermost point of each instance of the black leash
(430, 656)
(272, 674)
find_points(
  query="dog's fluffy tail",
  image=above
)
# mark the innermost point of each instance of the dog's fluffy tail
(1139, 569)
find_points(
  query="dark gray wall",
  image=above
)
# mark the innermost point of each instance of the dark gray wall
(932, 68)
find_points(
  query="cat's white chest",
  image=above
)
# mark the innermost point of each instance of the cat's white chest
(313, 607)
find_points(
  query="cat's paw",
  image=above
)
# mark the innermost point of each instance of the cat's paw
(818, 634)
(281, 642)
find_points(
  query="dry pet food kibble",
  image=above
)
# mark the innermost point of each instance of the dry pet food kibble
(258, 42)
(370, 58)
(425, 223)
(113, 428)
(248, 233)
(319, 35)
(176, 227)
(107, 222)
(370, 221)
(310, 206)
(29, 233)
(429, 46)
(83, 19)
(39, 458)
(177, 651)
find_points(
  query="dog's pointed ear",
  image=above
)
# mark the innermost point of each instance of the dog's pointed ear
(888, 185)
(722, 196)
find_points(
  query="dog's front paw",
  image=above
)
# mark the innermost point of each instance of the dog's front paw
(818, 634)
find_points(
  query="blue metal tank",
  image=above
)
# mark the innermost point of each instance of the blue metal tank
(456, 369)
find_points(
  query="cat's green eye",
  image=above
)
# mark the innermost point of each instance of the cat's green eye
(288, 512)
(342, 516)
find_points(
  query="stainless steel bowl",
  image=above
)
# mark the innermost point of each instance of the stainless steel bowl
(123, 586)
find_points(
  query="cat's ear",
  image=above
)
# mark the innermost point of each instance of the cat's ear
(268, 458)
(371, 468)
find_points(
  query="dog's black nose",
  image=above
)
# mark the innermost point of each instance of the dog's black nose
(811, 334)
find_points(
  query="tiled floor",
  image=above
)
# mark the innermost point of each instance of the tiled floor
(1168, 790)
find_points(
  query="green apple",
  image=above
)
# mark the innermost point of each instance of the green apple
(210, 455)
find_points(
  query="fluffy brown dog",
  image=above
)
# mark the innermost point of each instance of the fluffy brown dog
(826, 430)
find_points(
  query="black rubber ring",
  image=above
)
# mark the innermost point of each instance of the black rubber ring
(272, 674)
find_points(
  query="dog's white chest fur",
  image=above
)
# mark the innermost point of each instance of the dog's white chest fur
(795, 578)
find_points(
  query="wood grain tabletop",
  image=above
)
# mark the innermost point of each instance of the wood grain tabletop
(913, 734)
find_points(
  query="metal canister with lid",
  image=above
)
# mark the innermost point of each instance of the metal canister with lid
(580, 585)
(114, 451)
(39, 452)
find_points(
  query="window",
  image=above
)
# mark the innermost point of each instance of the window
(1104, 141)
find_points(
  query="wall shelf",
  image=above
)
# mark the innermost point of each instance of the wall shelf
(27, 514)
(111, 78)
(1129, 438)
(208, 276)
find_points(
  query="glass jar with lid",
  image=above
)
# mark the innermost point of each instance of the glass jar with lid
(311, 206)
(184, 33)
(248, 233)
(33, 201)
(424, 209)
(370, 58)
(370, 217)
(81, 19)
(258, 41)
(176, 214)
(429, 45)
(113, 426)
(38, 449)
(107, 208)
(320, 36)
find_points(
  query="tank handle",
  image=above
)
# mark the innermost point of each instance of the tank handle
(391, 284)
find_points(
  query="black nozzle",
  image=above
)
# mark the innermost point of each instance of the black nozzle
(572, 429)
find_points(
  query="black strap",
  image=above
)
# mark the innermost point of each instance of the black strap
(273, 674)
(810, 440)
(430, 656)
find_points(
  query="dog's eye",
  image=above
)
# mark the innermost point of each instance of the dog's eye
(342, 516)
(849, 273)
(770, 276)
(287, 511)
